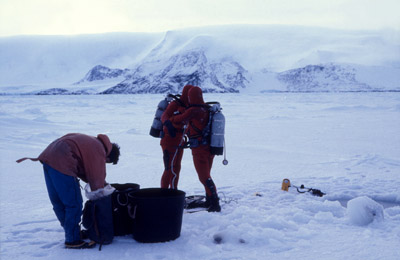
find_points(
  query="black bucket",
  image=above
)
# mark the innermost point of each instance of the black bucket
(158, 214)
(121, 207)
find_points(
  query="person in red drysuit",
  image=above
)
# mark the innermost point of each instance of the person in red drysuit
(196, 117)
(173, 141)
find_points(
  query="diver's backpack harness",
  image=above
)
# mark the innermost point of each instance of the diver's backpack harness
(157, 126)
(214, 132)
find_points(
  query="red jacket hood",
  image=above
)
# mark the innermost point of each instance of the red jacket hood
(195, 96)
(185, 92)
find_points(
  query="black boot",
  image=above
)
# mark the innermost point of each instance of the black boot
(214, 205)
(193, 202)
(213, 199)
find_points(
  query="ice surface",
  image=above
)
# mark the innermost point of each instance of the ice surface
(345, 144)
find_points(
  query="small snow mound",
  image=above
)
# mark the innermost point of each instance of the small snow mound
(363, 211)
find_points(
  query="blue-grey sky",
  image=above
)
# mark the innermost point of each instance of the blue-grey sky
(98, 16)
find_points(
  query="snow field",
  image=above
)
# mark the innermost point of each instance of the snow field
(345, 144)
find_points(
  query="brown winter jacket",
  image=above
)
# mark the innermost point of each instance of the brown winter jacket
(80, 156)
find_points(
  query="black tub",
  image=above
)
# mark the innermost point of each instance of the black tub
(158, 214)
(121, 206)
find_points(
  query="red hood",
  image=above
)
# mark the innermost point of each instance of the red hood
(185, 92)
(195, 96)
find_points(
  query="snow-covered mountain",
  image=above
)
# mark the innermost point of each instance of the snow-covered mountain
(234, 58)
(100, 72)
(323, 78)
(191, 67)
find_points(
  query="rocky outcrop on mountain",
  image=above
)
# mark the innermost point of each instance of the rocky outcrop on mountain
(322, 78)
(100, 72)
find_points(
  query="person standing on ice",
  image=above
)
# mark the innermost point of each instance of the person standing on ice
(196, 118)
(172, 141)
(65, 160)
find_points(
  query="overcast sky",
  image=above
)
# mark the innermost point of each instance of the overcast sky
(98, 16)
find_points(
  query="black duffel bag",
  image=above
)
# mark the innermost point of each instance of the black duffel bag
(122, 208)
(97, 219)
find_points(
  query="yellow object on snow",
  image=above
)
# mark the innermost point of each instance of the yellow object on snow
(285, 184)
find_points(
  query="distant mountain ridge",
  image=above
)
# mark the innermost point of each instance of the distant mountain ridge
(222, 59)
(311, 78)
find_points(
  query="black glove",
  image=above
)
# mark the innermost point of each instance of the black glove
(171, 129)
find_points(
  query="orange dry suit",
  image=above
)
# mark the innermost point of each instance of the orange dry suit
(172, 141)
(196, 117)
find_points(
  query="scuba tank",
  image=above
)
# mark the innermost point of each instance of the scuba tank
(217, 138)
(157, 125)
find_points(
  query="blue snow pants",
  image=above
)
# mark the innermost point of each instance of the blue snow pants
(65, 195)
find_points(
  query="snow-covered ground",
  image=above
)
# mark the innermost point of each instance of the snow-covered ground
(345, 144)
